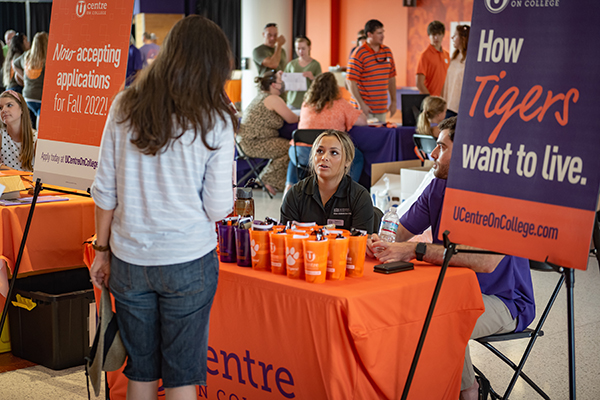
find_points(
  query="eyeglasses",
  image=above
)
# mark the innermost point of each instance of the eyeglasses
(384, 59)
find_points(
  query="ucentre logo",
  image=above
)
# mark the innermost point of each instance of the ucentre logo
(80, 8)
(495, 6)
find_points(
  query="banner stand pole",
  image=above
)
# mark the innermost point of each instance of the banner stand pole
(570, 284)
(68, 191)
(36, 192)
(448, 253)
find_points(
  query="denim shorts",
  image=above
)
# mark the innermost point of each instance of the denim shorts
(163, 314)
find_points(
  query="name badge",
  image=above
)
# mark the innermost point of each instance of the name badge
(336, 222)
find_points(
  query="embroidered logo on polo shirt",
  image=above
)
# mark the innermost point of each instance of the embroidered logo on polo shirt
(342, 211)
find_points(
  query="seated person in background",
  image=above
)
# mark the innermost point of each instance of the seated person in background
(259, 135)
(330, 196)
(305, 64)
(324, 108)
(434, 112)
(505, 281)
(18, 137)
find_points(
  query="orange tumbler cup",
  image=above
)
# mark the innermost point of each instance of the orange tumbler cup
(278, 252)
(355, 263)
(260, 250)
(315, 260)
(294, 254)
(338, 254)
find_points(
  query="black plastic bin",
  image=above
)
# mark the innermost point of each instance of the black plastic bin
(55, 333)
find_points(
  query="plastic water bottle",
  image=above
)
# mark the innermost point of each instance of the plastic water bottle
(389, 225)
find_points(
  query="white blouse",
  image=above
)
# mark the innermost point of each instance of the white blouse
(11, 150)
(453, 85)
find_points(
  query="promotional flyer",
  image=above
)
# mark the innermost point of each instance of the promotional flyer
(85, 68)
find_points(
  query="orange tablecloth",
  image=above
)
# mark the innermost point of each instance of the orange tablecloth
(56, 234)
(351, 339)
(55, 240)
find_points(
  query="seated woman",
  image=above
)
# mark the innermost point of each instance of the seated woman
(434, 112)
(259, 135)
(323, 108)
(330, 196)
(18, 137)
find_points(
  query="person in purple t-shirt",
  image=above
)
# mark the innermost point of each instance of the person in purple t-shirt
(150, 49)
(505, 281)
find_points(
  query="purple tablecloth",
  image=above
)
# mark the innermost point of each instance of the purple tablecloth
(381, 145)
(378, 145)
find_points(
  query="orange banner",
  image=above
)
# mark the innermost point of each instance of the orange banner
(518, 227)
(85, 68)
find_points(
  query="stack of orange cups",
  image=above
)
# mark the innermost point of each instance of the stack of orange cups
(277, 252)
(260, 248)
(355, 263)
(315, 260)
(338, 252)
(294, 254)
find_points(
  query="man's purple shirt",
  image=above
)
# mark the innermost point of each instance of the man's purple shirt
(510, 281)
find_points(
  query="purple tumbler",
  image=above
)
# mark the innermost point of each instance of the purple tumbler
(226, 243)
(242, 243)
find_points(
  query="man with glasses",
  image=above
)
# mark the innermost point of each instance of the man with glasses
(433, 62)
(371, 75)
(271, 54)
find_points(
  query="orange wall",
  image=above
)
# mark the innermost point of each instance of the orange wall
(332, 26)
(318, 30)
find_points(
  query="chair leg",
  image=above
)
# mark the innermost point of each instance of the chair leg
(254, 171)
(520, 373)
(519, 368)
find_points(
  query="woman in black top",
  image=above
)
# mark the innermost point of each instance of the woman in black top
(330, 196)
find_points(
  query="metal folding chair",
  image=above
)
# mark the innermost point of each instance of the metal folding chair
(307, 136)
(255, 164)
(532, 334)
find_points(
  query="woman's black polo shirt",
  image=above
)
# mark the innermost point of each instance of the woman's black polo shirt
(349, 207)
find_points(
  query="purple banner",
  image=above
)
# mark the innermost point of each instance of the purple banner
(528, 123)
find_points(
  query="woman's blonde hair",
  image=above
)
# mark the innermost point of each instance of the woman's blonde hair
(27, 146)
(432, 106)
(322, 92)
(347, 149)
(36, 56)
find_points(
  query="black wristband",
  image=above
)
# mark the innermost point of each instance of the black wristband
(421, 250)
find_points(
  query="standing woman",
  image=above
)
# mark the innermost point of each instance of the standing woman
(17, 150)
(456, 70)
(164, 178)
(30, 68)
(18, 45)
(305, 64)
